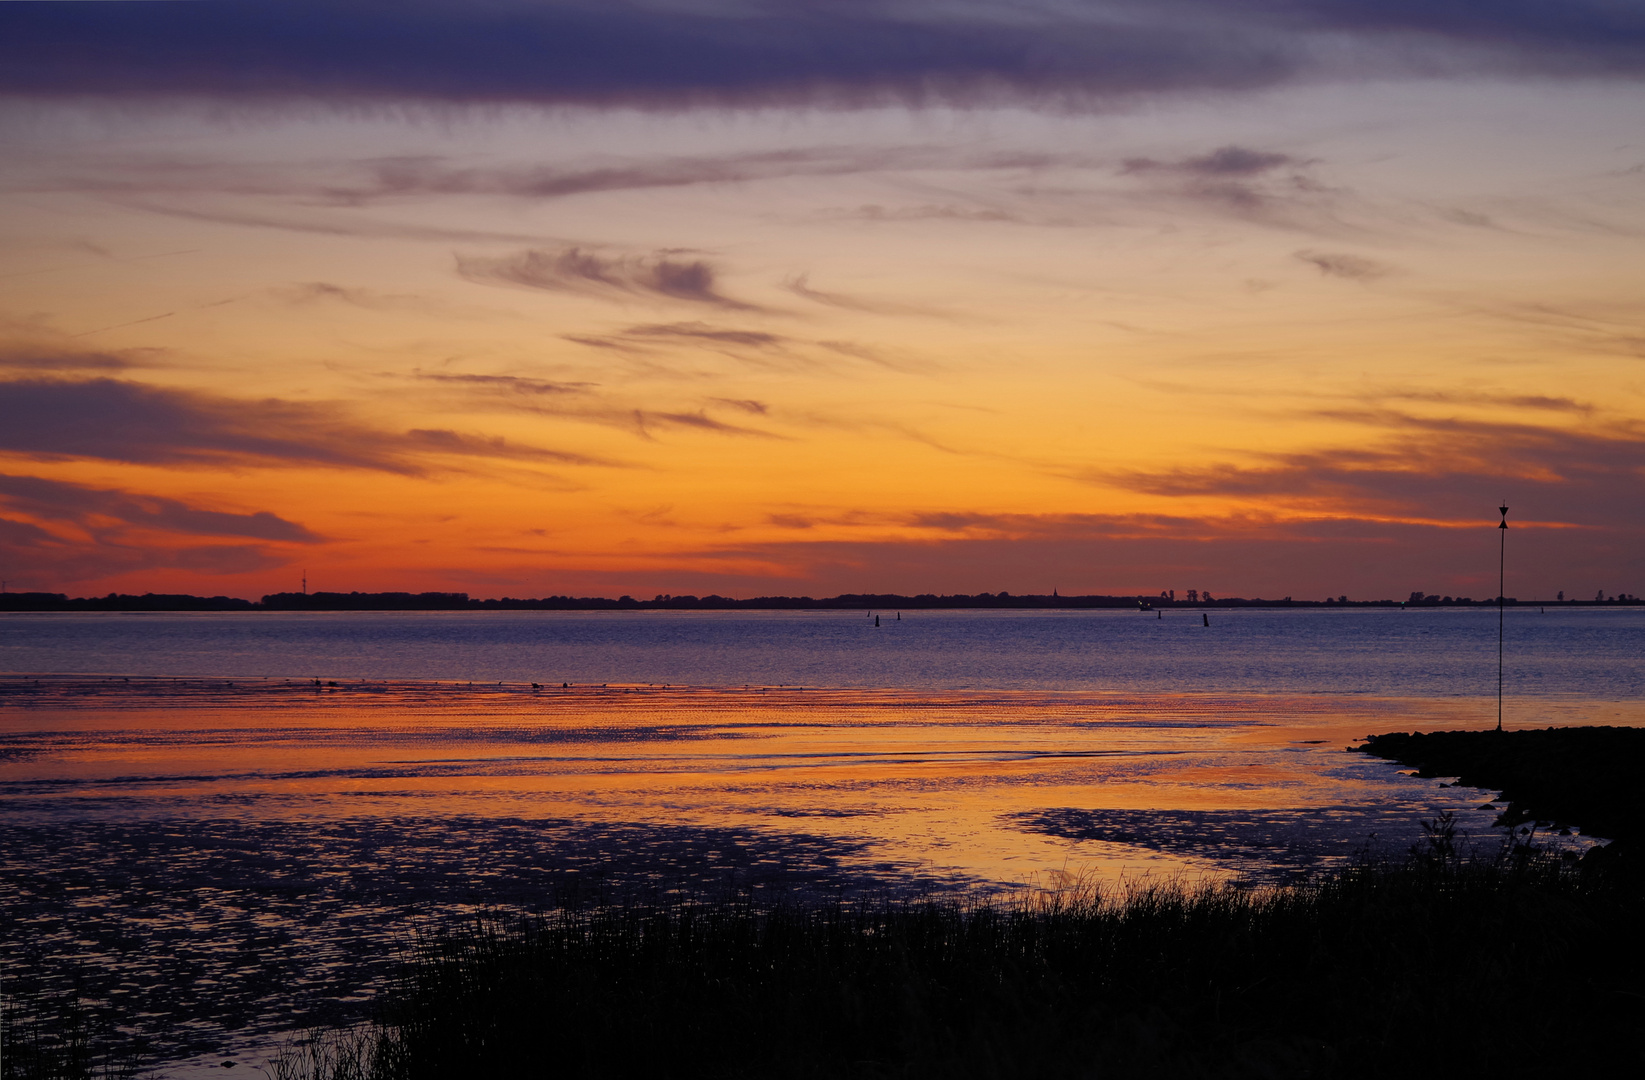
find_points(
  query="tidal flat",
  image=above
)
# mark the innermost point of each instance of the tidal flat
(207, 865)
(213, 866)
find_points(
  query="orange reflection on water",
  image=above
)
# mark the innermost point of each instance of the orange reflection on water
(954, 784)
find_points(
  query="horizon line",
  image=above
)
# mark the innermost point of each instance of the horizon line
(460, 601)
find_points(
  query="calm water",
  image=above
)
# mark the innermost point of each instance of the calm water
(1409, 653)
(215, 850)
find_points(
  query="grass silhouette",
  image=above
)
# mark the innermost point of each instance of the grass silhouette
(1515, 965)
(50, 1036)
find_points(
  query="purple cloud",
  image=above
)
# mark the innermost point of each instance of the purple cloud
(816, 51)
(116, 420)
(58, 500)
(575, 270)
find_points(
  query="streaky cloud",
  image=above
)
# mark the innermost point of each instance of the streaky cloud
(159, 182)
(1342, 265)
(748, 405)
(137, 423)
(1542, 402)
(800, 285)
(97, 556)
(1226, 161)
(1266, 186)
(440, 440)
(1379, 395)
(647, 420)
(608, 343)
(117, 420)
(577, 270)
(432, 175)
(697, 331)
(23, 358)
(924, 212)
(317, 224)
(1433, 470)
(59, 500)
(511, 384)
(310, 292)
(1240, 554)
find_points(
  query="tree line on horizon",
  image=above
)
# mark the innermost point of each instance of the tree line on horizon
(457, 601)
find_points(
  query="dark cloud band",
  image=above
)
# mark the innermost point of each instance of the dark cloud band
(717, 51)
(58, 500)
(117, 420)
(575, 270)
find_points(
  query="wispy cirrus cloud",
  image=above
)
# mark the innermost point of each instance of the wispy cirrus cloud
(648, 421)
(754, 348)
(1344, 265)
(1374, 397)
(445, 441)
(27, 359)
(1613, 327)
(748, 405)
(1266, 186)
(1222, 163)
(352, 183)
(703, 332)
(925, 212)
(1067, 187)
(1432, 469)
(387, 178)
(576, 401)
(313, 221)
(505, 384)
(662, 276)
(800, 285)
(312, 292)
(1540, 402)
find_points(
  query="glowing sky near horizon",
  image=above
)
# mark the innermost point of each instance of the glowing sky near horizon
(527, 299)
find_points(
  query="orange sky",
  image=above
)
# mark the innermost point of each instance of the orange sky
(1294, 341)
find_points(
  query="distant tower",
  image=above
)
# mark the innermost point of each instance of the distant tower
(1501, 587)
(305, 582)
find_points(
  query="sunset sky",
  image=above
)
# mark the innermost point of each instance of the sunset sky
(1259, 297)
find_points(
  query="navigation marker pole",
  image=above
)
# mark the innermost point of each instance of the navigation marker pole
(1501, 581)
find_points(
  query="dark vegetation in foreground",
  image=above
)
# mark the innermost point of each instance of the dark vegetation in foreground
(1521, 962)
(51, 1036)
(1524, 962)
(1518, 966)
(1552, 778)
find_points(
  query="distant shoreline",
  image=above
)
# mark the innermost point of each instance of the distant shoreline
(441, 601)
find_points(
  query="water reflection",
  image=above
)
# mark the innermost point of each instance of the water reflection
(1411, 653)
(223, 859)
